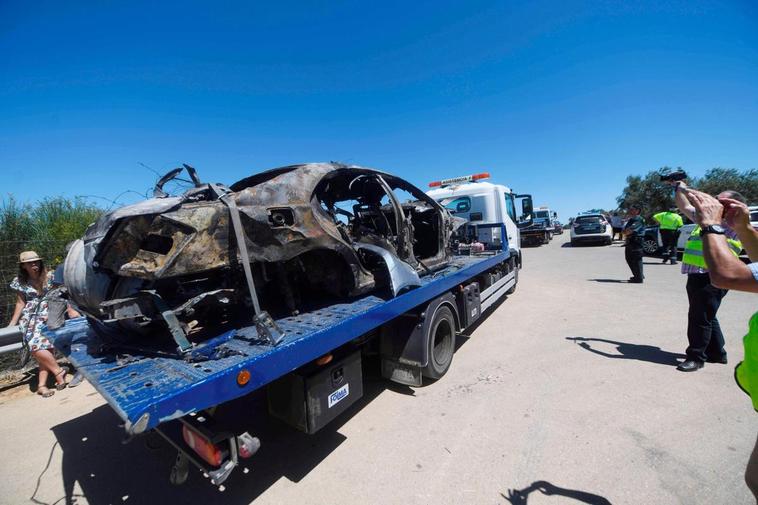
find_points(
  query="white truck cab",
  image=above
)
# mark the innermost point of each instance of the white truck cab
(484, 203)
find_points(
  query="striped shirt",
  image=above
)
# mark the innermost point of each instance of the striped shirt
(691, 269)
(754, 270)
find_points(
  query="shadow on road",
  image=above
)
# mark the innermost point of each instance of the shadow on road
(520, 496)
(639, 352)
(109, 471)
(609, 280)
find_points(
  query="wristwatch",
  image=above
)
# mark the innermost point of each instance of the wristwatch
(713, 228)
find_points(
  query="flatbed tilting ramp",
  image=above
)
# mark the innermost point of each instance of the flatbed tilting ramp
(148, 388)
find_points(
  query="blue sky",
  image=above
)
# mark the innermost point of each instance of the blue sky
(559, 99)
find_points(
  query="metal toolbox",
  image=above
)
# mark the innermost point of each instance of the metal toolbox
(310, 397)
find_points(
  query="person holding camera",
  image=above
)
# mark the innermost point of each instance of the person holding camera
(634, 232)
(706, 341)
(728, 272)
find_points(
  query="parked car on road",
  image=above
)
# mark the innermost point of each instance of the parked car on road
(591, 227)
(652, 244)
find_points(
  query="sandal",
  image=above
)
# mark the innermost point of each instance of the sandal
(44, 392)
(61, 385)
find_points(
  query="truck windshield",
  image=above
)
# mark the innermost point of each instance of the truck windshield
(456, 204)
(542, 214)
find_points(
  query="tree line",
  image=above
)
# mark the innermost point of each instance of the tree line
(655, 196)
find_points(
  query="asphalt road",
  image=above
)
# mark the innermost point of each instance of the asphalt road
(566, 393)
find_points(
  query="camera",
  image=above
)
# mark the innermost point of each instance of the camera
(676, 175)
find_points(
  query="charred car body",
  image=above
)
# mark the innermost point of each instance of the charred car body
(302, 236)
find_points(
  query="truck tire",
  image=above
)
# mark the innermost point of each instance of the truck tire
(546, 238)
(515, 272)
(441, 341)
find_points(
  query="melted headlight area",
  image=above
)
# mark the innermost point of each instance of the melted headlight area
(188, 240)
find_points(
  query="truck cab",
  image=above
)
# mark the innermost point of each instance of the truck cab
(483, 204)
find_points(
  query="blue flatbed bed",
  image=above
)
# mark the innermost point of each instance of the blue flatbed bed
(149, 388)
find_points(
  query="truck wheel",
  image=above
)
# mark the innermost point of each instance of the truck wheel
(441, 341)
(515, 278)
(546, 238)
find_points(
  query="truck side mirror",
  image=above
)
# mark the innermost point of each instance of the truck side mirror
(527, 211)
(555, 215)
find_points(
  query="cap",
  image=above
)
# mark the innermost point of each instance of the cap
(28, 257)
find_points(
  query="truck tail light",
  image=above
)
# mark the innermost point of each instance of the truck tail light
(202, 446)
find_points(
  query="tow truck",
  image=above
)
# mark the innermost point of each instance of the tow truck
(484, 204)
(542, 229)
(313, 373)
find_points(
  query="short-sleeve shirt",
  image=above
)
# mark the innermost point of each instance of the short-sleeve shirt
(637, 225)
(669, 220)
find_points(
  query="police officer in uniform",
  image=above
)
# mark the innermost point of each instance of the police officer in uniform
(669, 224)
(634, 231)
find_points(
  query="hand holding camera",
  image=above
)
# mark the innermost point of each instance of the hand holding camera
(674, 177)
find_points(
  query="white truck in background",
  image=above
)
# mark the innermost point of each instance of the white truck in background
(483, 203)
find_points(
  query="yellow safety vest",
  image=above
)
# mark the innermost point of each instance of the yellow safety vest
(693, 251)
(746, 373)
(669, 220)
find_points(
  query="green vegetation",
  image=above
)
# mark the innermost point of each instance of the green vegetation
(655, 196)
(45, 227)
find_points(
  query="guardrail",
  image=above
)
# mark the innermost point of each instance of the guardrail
(10, 339)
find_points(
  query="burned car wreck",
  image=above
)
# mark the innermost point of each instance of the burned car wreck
(284, 241)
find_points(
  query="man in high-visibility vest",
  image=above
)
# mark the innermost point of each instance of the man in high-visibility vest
(729, 273)
(706, 341)
(669, 223)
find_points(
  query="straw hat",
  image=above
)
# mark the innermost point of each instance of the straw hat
(28, 257)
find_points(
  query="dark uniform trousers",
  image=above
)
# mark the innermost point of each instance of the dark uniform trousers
(633, 254)
(669, 238)
(703, 329)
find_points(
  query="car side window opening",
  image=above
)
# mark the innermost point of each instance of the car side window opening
(425, 219)
(364, 207)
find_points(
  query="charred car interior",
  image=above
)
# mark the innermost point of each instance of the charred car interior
(277, 243)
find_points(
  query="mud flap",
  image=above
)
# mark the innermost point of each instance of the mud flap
(404, 345)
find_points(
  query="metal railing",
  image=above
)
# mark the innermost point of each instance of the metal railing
(10, 339)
